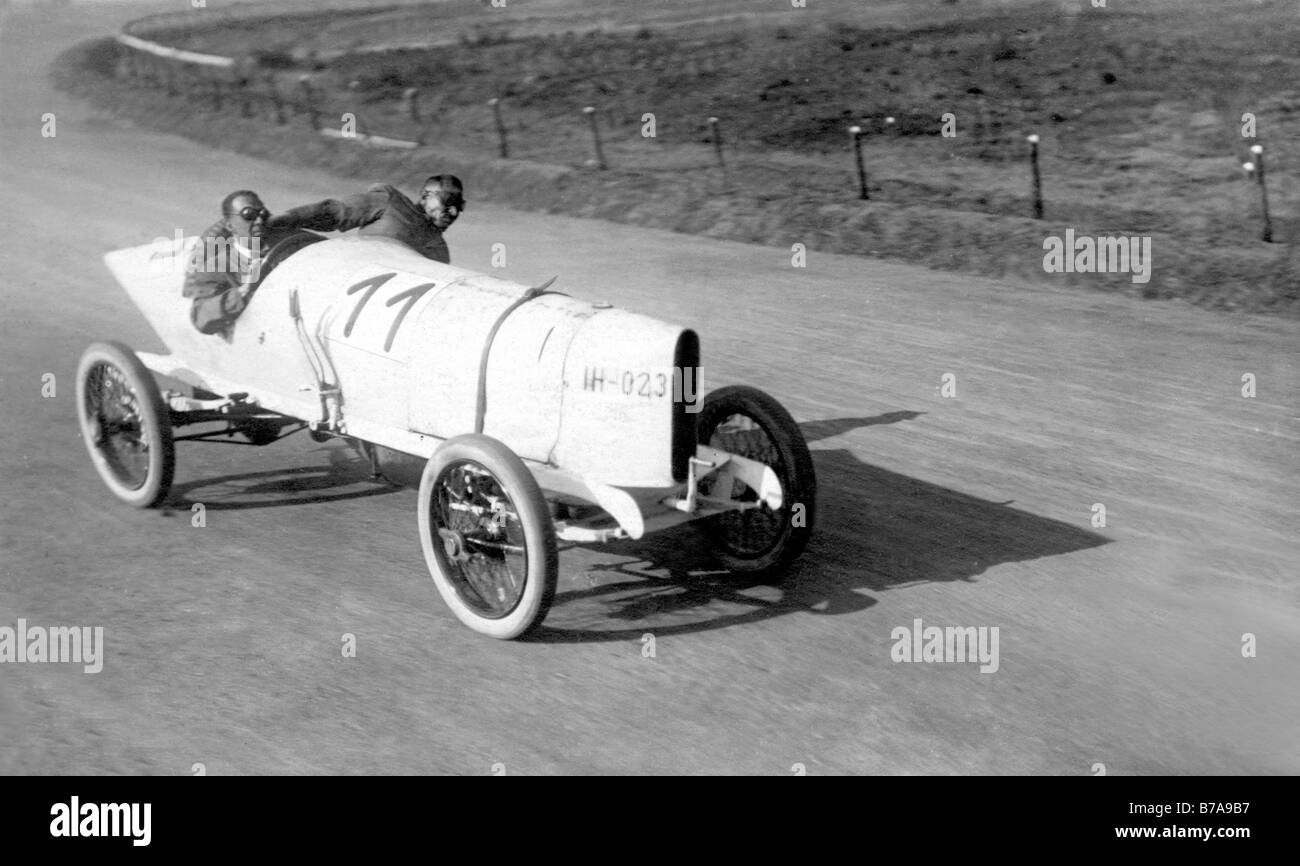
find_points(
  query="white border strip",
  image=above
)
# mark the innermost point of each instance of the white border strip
(217, 61)
(174, 53)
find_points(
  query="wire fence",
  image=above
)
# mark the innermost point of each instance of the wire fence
(287, 97)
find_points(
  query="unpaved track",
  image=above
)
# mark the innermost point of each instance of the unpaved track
(1119, 646)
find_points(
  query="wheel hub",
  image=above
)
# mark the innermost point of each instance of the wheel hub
(453, 544)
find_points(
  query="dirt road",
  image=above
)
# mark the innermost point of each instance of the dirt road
(1119, 645)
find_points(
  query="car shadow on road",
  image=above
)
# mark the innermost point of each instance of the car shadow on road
(876, 531)
(346, 477)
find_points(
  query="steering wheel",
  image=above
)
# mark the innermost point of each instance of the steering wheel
(283, 245)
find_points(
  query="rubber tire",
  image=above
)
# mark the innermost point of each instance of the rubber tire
(798, 482)
(542, 555)
(154, 416)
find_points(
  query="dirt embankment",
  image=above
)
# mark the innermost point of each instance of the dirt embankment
(1140, 133)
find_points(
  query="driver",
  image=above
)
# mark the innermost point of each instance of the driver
(383, 210)
(224, 265)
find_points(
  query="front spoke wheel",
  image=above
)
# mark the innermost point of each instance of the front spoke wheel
(487, 536)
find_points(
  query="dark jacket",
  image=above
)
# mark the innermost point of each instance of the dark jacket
(382, 210)
(212, 278)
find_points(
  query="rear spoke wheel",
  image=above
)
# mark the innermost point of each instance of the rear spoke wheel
(125, 424)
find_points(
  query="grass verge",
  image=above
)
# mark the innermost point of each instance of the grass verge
(1140, 126)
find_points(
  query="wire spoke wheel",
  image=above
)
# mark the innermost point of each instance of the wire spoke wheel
(753, 532)
(487, 536)
(483, 539)
(124, 424)
(122, 439)
(748, 423)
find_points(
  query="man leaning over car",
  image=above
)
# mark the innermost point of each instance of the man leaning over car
(383, 210)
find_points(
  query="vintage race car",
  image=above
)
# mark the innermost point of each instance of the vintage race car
(543, 419)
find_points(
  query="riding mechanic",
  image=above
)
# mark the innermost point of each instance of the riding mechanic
(384, 211)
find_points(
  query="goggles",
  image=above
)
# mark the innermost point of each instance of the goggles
(454, 205)
(251, 214)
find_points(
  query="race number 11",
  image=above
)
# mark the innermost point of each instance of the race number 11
(368, 287)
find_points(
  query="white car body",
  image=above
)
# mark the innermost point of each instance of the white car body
(363, 337)
(540, 418)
